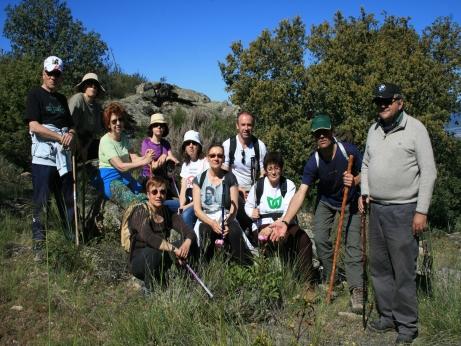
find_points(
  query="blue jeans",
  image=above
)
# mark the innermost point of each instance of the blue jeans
(172, 205)
(189, 217)
(46, 179)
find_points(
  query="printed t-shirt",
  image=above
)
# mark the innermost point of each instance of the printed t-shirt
(191, 170)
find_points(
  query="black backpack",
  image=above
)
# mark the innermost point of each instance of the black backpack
(260, 188)
(233, 147)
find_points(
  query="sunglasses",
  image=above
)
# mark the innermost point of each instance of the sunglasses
(243, 157)
(155, 192)
(55, 73)
(384, 102)
(187, 143)
(114, 121)
(161, 125)
(321, 132)
(219, 156)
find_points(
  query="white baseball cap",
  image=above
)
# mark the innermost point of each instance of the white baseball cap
(53, 63)
(193, 136)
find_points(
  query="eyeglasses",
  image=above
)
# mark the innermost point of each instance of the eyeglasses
(384, 102)
(219, 156)
(161, 125)
(243, 157)
(55, 73)
(114, 121)
(187, 143)
(155, 192)
(273, 169)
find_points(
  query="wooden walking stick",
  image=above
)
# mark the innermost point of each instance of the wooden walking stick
(338, 236)
(363, 232)
(74, 176)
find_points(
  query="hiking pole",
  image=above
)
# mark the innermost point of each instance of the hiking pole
(253, 170)
(195, 276)
(220, 242)
(74, 176)
(338, 236)
(363, 232)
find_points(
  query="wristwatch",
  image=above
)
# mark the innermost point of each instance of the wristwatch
(286, 223)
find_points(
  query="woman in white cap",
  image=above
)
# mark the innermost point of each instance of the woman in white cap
(87, 116)
(194, 164)
(157, 131)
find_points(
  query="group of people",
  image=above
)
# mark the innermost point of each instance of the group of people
(234, 195)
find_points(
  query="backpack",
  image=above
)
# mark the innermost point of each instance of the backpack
(125, 232)
(233, 147)
(341, 148)
(225, 182)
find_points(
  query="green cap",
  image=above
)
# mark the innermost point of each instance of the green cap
(321, 122)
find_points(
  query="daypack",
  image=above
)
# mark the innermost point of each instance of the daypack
(233, 147)
(225, 182)
(341, 148)
(125, 233)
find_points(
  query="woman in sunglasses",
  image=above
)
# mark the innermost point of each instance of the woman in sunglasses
(164, 161)
(117, 158)
(194, 164)
(150, 229)
(213, 190)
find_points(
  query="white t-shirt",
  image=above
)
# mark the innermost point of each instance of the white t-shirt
(243, 171)
(271, 201)
(191, 170)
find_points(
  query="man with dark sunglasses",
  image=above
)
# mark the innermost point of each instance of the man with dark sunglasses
(244, 156)
(398, 176)
(50, 126)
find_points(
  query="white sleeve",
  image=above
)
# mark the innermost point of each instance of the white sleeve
(291, 190)
(262, 154)
(184, 171)
(226, 145)
(250, 202)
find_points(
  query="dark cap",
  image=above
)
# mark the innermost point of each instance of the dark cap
(321, 122)
(387, 91)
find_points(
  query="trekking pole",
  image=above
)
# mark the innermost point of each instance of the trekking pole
(195, 276)
(338, 236)
(363, 232)
(220, 242)
(253, 170)
(74, 176)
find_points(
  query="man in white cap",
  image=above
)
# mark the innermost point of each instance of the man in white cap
(50, 126)
(87, 115)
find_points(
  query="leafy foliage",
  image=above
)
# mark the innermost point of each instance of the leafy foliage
(347, 58)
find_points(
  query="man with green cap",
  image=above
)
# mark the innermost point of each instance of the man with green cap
(328, 167)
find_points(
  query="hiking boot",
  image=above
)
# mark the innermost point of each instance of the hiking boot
(405, 339)
(381, 326)
(38, 250)
(357, 300)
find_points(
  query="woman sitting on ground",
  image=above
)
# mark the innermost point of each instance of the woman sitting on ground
(208, 199)
(268, 201)
(150, 229)
(193, 165)
(163, 157)
(117, 158)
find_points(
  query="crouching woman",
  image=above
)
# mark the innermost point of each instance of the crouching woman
(268, 202)
(151, 252)
(214, 190)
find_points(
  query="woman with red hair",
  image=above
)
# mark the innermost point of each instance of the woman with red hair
(117, 158)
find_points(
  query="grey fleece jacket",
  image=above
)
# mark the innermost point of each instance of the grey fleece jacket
(398, 167)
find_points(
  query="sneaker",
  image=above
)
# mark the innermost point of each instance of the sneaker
(381, 326)
(405, 339)
(357, 300)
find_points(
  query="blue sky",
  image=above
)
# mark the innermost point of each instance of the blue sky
(183, 40)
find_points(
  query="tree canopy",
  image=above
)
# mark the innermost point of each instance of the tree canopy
(286, 75)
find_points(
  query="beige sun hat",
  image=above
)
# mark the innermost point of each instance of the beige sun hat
(90, 76)
(159, 118)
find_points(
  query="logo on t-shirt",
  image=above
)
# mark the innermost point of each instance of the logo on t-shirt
(274, 203)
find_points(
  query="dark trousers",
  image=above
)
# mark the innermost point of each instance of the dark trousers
(243, 219)
(393, 254)
(149, 264)
(46, 179)
(234, 240)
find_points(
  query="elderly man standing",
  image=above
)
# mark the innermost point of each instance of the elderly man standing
(244, 156)
(398, 175)
(50, 123)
